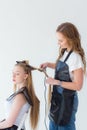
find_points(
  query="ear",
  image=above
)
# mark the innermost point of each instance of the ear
(26, 75)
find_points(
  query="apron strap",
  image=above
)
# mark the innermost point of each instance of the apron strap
(68, 55)
(25, 92)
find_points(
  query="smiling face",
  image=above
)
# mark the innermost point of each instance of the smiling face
(62, 41)
(19, 75)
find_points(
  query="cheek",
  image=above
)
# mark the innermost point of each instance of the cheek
(20, 79)
(64, 43)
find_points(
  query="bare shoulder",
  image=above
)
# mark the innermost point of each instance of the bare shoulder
(20, 98)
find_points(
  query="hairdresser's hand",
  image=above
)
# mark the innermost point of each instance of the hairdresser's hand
(44, 65)
(51, 81)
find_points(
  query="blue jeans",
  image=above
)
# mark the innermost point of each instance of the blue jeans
(71, 124)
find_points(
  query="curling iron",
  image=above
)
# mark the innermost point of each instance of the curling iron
(31, 68)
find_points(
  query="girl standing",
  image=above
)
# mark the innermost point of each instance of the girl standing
(69, 72)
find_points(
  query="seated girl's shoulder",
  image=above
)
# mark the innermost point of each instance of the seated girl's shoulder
(20, 97)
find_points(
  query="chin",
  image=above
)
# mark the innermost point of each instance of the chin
(14, 82)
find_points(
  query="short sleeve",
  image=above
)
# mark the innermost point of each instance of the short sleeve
(75, 62)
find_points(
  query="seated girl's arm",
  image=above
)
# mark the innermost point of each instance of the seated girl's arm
(18, 102)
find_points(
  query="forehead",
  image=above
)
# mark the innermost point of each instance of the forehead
(18, 68)
(60, 35)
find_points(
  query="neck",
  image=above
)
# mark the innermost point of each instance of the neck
(68, 49)
(19, 86)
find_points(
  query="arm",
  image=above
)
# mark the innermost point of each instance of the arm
(48, 64)
(76, 84)
(18, 102)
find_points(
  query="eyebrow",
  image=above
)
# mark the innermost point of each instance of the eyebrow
(16, 72)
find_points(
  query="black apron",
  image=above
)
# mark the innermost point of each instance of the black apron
(62, 99)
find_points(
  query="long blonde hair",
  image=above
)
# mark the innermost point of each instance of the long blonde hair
(34, 111)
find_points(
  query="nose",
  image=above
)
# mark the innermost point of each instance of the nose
(13, 75)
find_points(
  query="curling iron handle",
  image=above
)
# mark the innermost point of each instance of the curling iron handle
(43, 70)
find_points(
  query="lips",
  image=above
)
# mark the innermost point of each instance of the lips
(13, 80)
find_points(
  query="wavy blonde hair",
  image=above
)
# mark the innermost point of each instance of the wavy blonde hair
(34, 110)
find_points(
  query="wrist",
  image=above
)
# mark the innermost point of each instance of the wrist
(47, 64)
(59, 83)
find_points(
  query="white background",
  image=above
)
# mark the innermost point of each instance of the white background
(28, 31)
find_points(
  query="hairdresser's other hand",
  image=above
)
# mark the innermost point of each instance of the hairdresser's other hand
(51, 81)
(44, 65)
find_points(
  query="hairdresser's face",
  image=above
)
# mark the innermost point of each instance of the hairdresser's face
(19, 76)
(62, 41)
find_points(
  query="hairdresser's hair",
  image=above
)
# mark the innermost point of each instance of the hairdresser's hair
(74, 40)
(34, 111)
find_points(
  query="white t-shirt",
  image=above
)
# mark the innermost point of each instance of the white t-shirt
(74, 62)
